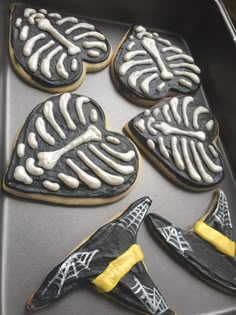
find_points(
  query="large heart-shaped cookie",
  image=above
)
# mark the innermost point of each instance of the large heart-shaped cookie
(180, 135)
(65, 154)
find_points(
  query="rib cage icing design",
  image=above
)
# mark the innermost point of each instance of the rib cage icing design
(148, 66)
(180, 134)
(51, 48)
(64, 150)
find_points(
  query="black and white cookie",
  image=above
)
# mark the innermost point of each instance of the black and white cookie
(65, 154)
(180, 136)
(147, 67)
(209, 255)
(53, 51)
(110, 261)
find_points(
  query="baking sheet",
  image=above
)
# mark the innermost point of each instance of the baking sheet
(36, 236)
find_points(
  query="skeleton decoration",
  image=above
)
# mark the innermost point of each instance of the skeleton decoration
(205, 255)
(54, 50)
(179, 134)
(64, 154)
(148, 67)
(111, 261)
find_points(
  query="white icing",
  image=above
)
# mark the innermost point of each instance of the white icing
(186, 101)
(48, 114)
(70, 19)
(209, 163)
(79, 108)
(35, 16)
(51, 186)
(24, 33)
(69, 181)
(213, 151)
(131, 54)
(29, 45)
(162, 147)
(156, 112)
(185, 65)
(161, 86)
(63, 102)
(74, 65)
(134, 76)
(91, 34)
(32, 169)
(151, 144)
(122, 169)
(191, 170)
(209, 125)
(142, 34)
(95, 44)
(61, 68)
(90, 181)
(205, 176)
(78, 26)
(34, 59)
(198, 111)
(20, 150)
(18, 22)
(33, 143)
(164, 41)
(129, 64)
(93, 115)
(45, 25)
(28, 12)
(146, 82)
(189, 75)
(176, 155)
(185, 83)
(172, 49)
(180, 56)
(140, 28)
(49, 159)
(21, 176)
(156, 35)
(93, 53)
(54, 15)
(140, 124)
(131, 37)
(43, 11)
(108, 178)
(174, 102)
(126, 157)
(130, 45)
(165, 112)
(113, 140)
(41, 129)
(150, 45)
(146, 112)
(46, 62)
(169, 130)
(150, 129)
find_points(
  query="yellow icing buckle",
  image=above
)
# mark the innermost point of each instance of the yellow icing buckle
(222, 243)
(118, 268)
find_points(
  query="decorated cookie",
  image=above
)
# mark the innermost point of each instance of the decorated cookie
(147, 67)
(112, 262)
(179, 135)
(208, 250)
(64, 154)
(53, 51)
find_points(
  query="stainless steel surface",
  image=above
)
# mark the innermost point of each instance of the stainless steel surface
(36, 236)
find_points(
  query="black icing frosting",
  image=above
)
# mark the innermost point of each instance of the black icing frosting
(56, 80)
(89, 260)
(124, 146)
(164, 121)
(136, 35)
(199, 256)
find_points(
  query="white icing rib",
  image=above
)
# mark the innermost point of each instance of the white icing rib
(79, 25)
(164, 41)
(165, 112)
(122, 169)
(209, 125)
(150, 129)
(32, 169)
(146, 82)
(186, 101)
(213, 151)
(20, 150)
(163, 148)
(95, 44)
(46, 62)
(91, 34)
(161, 86)
(35, 16)
(54, 15)
(108, 178)
(198, 111)
(180, 56)
(34, 59)
(191, 170)
(41, 129)
(93, 53)
(134, 76)
(176, 155)
(74, 64)
(69, 181)
(79, 108)
(130, 45)
(112, 140)
(93, 115)
(63, 103)
(190, 66)
(174, 102)
(151, 144)
(28, 12)
(32, 141)
(51, 186)
(140, 124)
(24, 33)
(90, 181)
(61, 68)
(126, 157)
(189, 75)
(49, 115)
(172, 49)
(29, 45)
(131, 54)
(132, 63)
(70, 19)
(209, 163)
(18, 22)
(156, 112)
(185, 83)
(21, 175)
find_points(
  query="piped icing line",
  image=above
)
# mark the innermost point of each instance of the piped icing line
(63, 105)
(86, 26)
(61, 70)
(95, 44)
(41, 129)
(161, 86)
(51, 186)
(28, 12)
(24, 33)
(32, 169)
(179, 163)
(93, 115)
(21, 175)
(46, 62)
(189, 75)
(93, 53)
(126, 157)
(79, 108)
(89, 34)
(194, 68)
(29, 45)
(210, 125)
(69, 181)
(186, 101)
(131, 54)
(163, 148)
(34, 59)
(150, 129)
(198, 111)
(165, 112)
(180, 56)
(134, 76)
(70, 19)
(20, 150)
(189, 165)
(172, 49)
(49, 115)
(32, 141)
(145, 85)
(185, 83)
(174, 102)
(132, 63)
(209, 163)
(112, 140)
(55, 15)
(213, 151)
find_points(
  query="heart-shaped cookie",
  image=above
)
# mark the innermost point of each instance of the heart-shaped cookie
(180, 135)
(65, 154)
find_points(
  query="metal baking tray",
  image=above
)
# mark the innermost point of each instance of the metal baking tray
(36, 236)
